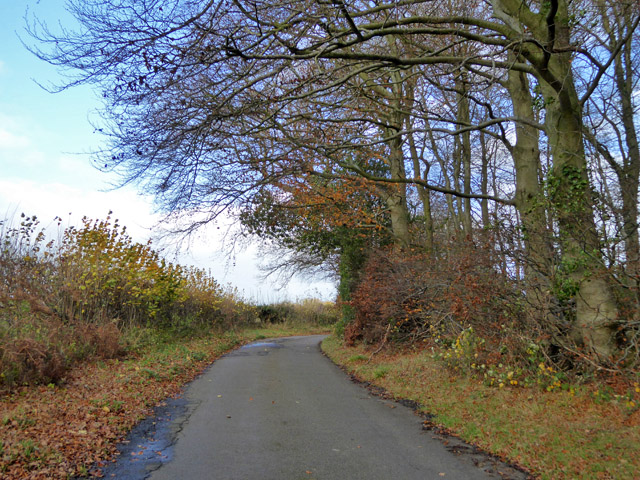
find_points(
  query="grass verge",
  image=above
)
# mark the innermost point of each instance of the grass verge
(51, 431)
(555, 435)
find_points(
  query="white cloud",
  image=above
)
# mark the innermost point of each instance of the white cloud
(18, 151)
(9, 140)
(48, 200)
(29, 152)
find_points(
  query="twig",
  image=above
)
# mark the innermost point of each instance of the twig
(382, 343)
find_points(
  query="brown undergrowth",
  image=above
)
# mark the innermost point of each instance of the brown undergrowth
(585, 432)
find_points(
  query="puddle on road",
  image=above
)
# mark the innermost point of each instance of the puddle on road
(258, 348)
(261, 345)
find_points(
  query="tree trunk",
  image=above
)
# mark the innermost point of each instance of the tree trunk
(596, 310)
(528, 195)
(484, 183)
(424, 194)
(463, 150)
(396, 196)
(628, 176)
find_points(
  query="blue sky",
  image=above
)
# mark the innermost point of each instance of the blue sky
(45, 167)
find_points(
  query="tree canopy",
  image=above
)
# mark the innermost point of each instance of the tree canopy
(414, 121)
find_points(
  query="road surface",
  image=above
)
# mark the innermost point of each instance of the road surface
(280, 410)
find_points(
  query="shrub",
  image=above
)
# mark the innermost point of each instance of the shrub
(67, 301)
(307, 311)
(28, 360)
(411, 297)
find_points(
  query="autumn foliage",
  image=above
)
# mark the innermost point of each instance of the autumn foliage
(410, 297)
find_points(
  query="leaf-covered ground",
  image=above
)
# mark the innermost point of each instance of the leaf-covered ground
(64, 431)
(578, 433)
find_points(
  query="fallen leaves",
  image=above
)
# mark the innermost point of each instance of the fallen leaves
(49, 432)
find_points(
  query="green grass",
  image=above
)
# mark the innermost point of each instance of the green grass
(357, 358)
(557, 435)
(285, 329)
(381, 371)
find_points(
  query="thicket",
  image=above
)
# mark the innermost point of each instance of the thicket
(406, 297)
(94, 292)
(480, 318)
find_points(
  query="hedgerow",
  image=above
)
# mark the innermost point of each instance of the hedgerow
(66, 300)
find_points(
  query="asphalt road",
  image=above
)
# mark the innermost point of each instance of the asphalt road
(280, 410)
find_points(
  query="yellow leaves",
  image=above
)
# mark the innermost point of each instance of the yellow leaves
(107, 274)
(544, 368)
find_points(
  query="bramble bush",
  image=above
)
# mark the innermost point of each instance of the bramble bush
(64, 301)
(413, 297)
(473, 317)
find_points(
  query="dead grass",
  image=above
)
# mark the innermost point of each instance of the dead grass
(556, 435)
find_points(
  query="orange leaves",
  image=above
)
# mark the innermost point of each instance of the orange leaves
(318, 203)
(405, 295)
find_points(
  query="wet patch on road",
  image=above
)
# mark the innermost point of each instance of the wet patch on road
(150, 444)
(256, 348)
(261, 345)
